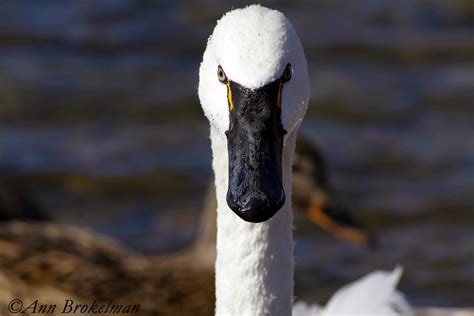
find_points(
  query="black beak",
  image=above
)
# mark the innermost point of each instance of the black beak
(255, 143)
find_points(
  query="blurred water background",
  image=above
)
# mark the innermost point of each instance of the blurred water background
(99, 118)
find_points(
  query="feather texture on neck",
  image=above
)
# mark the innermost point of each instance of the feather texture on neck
(254, 265)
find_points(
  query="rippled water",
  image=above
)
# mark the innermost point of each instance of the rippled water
(99, 116)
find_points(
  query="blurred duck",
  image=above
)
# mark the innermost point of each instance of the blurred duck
(312, 197)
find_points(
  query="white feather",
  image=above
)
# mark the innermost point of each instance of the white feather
(373, 295)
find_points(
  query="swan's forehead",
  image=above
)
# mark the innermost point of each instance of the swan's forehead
(252, 44)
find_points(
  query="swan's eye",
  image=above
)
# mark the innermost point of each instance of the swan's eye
(221, 75)
(287, 73)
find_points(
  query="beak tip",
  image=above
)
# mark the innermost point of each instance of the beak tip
(256, 209)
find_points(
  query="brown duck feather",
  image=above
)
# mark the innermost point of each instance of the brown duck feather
(77, 263)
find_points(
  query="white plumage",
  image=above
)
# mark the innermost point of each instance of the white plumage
(373, 295)
(254, 265)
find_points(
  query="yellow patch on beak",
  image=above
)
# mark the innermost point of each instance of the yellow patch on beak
(229, 96)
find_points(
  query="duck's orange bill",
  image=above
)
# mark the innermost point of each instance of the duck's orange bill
(352, 235)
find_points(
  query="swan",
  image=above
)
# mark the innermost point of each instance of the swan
(254, 90)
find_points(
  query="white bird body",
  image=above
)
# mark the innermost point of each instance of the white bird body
(254, 264)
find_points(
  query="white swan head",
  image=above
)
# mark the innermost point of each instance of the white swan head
(254, 89)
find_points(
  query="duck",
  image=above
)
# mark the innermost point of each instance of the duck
(254, 90)
(313, 197)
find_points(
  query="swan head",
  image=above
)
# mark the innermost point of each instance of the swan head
(254, 89)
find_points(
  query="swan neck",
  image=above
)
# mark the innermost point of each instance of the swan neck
(254, 263)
